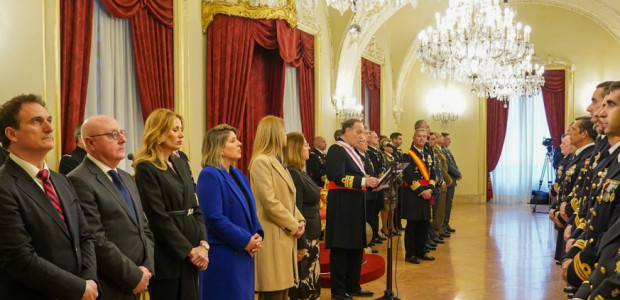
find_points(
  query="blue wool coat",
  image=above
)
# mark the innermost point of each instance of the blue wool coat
(231, 221)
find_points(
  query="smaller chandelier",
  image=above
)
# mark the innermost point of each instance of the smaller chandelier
(348, 108)
(509, 82)
(445, 115)
(361, 5)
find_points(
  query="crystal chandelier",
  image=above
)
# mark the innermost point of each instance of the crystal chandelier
(445, 114)
(478, 42)
(361, 5)
(348, 108)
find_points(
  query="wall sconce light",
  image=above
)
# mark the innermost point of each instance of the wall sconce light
(445, 114)
(347, 108)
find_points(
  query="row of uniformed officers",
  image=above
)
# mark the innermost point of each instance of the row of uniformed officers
(586, 215)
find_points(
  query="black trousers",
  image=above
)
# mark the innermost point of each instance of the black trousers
(398, 211)
(345, 268)
(415, 237)
(449, 198)
(372, 217)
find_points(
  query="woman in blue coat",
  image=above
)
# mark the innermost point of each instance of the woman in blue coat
(233, 230)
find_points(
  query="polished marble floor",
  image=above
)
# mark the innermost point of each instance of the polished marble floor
(498, 252)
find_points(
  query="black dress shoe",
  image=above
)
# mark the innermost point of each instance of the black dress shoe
(427, 257)
(377, 241)
(449, 229)
(382, 238)
(343, 297)
(430, 247)
(362, 293)
(445, 235)
(431, 243)
(413, 260)
(373, 250)
(438, 241)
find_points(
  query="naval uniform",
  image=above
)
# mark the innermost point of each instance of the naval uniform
(316, 167)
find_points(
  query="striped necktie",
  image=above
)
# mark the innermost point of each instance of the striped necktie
(44, 175)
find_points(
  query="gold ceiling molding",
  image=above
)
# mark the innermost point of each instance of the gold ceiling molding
(597, 11)
(374, 52)
(287, 12)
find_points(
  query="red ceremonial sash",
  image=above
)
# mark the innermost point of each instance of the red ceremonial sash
(421, 165)
(332, 186)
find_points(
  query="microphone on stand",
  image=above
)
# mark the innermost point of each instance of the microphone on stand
(130, 156)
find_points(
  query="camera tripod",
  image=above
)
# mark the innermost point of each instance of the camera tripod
(547, 172)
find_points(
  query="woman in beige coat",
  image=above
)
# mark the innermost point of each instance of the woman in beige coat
(283, 224)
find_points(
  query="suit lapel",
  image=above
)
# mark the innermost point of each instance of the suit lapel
(105, 181)
(283, 173)
(30, 188)
(239, 195)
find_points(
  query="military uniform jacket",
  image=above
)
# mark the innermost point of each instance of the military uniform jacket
(559, 178)
(414, 206)
(375, 161)
(604, 282)
(604, 214)
(586, 204)
(316, 168)
(587, 177)
(345, 217)
(71, 160)
(572, 180)
(453, 169)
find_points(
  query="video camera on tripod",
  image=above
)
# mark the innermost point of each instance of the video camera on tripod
(548, 142)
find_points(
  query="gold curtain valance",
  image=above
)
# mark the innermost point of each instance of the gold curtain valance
(288, 12)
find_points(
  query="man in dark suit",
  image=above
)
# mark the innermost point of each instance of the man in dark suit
(315, 165)
(455, 174)
(3, 155)
(46, 251)
(111, 204)
(71, 160)
(374, 199)
(345, 224)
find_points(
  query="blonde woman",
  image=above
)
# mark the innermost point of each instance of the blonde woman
(169, 200)
(234, 232)
(283, 224)
(296, 152)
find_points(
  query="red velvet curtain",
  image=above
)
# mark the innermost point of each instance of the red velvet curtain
(497, 120)
(75, 38)
(553, 93)
(245, 74)
(371, 79)
(151, 31)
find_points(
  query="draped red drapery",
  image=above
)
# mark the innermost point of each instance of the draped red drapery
(553, 93)
(75, 39)
(497, 121)
(151, 32)
(371, 80)
(245, 74)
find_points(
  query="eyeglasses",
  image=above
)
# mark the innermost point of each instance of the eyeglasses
(114, 134)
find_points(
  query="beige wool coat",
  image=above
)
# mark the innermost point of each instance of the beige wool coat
(274, 191)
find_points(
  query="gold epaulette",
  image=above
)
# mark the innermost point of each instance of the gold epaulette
(337, 144)
(582, 225)
(431, 182)
(582, 270)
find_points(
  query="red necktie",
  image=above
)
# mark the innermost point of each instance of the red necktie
(44, 175)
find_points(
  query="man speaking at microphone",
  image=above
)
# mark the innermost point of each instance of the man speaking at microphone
(345, 230)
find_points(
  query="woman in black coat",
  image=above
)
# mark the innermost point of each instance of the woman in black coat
(169, 199)
(307, 200)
